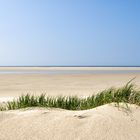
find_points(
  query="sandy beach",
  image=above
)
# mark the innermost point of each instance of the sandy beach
(106, 122)
(14, 85)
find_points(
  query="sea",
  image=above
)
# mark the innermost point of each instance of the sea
(67, 71)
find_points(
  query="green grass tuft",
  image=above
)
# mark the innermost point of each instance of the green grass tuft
(126, 94)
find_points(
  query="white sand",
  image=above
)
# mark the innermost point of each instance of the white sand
(13, 85)
(103, 123)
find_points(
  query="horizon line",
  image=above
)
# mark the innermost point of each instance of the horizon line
(72, 66)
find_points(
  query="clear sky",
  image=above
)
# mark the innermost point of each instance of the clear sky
(69, 32)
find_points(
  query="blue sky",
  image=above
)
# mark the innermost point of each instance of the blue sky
(69, 32)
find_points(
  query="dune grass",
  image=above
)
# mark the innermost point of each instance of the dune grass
(126, 94)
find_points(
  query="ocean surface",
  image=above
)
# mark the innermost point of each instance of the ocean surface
(54, 72)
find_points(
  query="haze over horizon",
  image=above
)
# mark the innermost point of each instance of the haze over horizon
(69, 33)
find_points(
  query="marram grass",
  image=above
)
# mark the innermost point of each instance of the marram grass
(126, 94)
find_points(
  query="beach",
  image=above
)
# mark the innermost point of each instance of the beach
(82, 85)
(106, 122)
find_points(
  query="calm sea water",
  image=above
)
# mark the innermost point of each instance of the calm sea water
(54, 72)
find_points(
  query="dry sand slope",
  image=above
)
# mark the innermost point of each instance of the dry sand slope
(103, 123)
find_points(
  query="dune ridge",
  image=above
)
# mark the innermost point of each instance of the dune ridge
(106, 122)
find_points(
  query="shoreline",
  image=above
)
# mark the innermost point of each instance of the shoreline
(69, 68)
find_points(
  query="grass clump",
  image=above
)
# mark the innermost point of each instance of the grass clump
(126, 94)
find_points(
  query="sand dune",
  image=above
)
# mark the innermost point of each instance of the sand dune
(103, 123)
